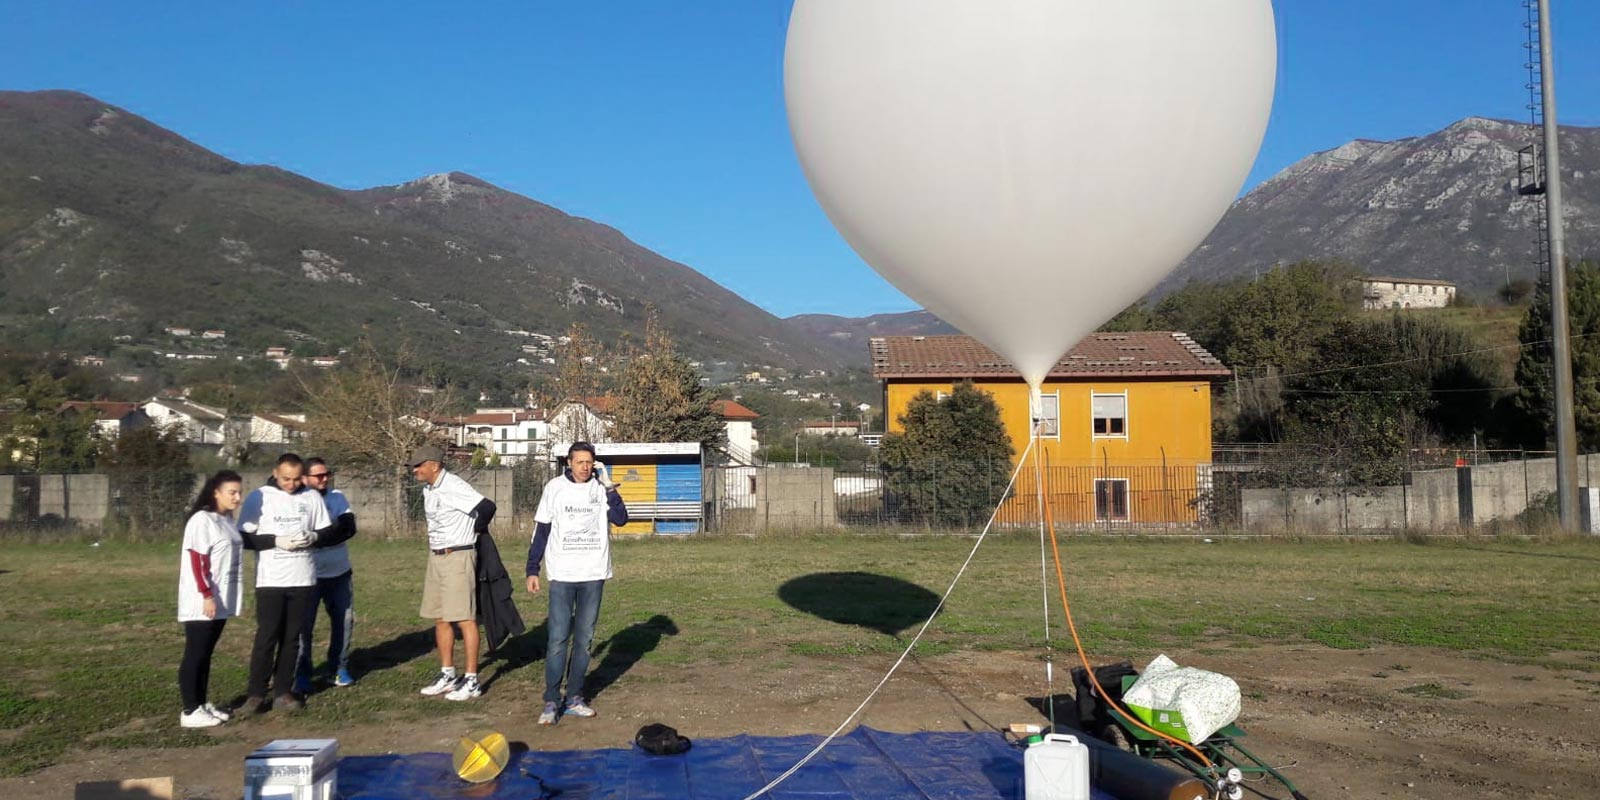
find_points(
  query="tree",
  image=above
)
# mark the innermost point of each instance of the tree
(659, 397)
(1535, 397)
(951, 463)
(1275, 321)
(47, 439)
(583, 372)
(1360, 406)
(152, 479)
(369, 413)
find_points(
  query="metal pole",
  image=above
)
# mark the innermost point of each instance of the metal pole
(1566, 435)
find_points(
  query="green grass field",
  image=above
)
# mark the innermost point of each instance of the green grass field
(91, 645)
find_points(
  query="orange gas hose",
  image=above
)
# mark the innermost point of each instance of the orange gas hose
(1061, 583)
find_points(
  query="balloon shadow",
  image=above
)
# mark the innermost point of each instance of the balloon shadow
(876, 602)
(624, 649)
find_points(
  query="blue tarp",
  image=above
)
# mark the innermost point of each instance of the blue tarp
(863, 765)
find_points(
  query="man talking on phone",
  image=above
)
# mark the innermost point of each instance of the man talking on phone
(572, 539)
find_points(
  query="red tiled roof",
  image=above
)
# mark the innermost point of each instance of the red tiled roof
(1156, 354)
(730, 409)
(107, 409)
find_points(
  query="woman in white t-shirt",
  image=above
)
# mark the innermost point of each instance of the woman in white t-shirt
(209, 591)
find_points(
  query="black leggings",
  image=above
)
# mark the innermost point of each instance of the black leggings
(194, 674)
(280, 613)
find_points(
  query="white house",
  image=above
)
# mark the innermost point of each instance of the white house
(586, 420)
(276, 428)
(200, 424)
(833, 427)
(1380, 293)
(111, 418)
(738, 423)
(511, 433)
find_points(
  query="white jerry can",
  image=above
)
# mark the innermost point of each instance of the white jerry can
(1056, 768)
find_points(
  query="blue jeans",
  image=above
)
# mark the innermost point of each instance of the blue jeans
(574, 610)
(337, 595)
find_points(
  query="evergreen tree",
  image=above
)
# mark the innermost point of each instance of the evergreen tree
(1535, 397)
(951, 463)
(659, 397)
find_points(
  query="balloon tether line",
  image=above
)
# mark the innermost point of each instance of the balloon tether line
(1044, 582)
(907, 652)
(1066, 609)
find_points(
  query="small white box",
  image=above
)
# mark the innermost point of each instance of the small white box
(302, 769)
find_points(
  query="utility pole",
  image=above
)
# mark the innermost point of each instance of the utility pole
(1566, 429)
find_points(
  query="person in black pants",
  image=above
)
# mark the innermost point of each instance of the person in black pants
(286, 577)
(209, 592)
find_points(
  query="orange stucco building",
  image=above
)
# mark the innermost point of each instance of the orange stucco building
(1126, 432)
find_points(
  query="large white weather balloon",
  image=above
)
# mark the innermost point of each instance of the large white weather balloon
(1027, 168)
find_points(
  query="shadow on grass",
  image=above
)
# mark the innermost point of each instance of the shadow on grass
(876, 602)
(1530, 555)
(401, 649)
(516, 653)
(624, 649)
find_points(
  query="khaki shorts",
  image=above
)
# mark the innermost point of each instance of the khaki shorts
(450, 592)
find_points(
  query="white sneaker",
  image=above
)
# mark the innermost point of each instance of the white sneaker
(198, 718)
(468, 689)
(217, 712)
(444, 684)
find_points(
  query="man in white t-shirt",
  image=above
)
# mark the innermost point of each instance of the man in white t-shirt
(456, 515)
(335, 583)
(286, 577)
(572, 538)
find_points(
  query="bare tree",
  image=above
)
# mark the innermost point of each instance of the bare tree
(582, 374)
(370, 413)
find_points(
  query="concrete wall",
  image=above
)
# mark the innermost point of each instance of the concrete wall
(8, 489)
(1432, 500)
(792, 499)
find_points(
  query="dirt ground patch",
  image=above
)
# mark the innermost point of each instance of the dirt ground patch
(1383, 722)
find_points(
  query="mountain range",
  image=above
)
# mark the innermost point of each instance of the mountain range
(113, 226)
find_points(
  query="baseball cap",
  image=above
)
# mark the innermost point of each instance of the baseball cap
(427, 452)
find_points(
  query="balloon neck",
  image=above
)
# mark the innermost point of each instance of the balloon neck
(1035, 405)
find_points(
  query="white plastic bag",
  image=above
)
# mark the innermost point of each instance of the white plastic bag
(1184, 701)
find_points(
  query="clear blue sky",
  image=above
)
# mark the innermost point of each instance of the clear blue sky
(666, 119)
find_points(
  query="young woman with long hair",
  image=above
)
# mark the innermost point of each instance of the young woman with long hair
(210, 590)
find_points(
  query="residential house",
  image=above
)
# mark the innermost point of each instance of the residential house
(325, 361)
(738, 424)
(277, 352)
(214, 333)
(1381, 293)
(511, 433)
(89, 361)
(1125, 420)
(199, 424)
(590, 420)
(276, 428)
(176, 331)
(586, 420)
(831, 427)
(112, 419)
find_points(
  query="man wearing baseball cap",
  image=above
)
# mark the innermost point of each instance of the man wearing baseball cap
(456, 515)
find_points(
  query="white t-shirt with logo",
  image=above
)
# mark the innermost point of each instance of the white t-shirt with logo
(210, 534)
(270, 510)
(448, 504)
(579, 548)
(333, 561)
